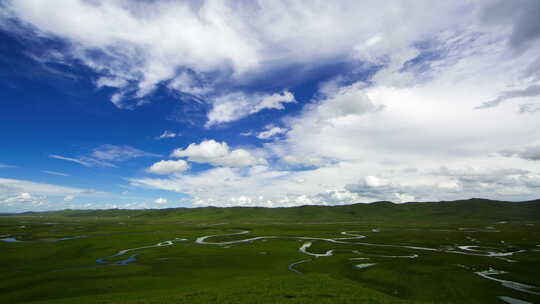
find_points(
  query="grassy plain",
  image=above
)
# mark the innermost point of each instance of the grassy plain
(48, 265)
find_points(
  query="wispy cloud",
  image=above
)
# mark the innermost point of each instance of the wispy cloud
(270, 132)
(107, 156)
(75, 160)
(168, 134)
(531, 91)
(235, 106)
(2, 165)
(14, 186)
(119, 153)
(55, 173)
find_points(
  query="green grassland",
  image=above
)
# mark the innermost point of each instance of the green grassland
(48, 265)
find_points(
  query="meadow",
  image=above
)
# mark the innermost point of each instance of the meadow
(473, 251)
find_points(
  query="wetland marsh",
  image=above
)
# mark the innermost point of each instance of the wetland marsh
(143, 259)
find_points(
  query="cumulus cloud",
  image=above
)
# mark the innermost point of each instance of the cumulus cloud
(21, 195)
(218, 154)
(346, 101)
(25, 201)
(106, 156)
(24, 198)
(234, 106)
(340, 184)
(450, 183)
(360, 143)
(226, 186)
(168, 167)
(373, 186)
(274, 101)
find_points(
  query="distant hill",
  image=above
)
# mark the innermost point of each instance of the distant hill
(447, 211)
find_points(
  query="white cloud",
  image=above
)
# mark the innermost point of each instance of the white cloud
(168, 134)
(55, 173)
(137, 47)
(342, 104)
(6, 166)
(21, 186)
(160, 200)
(71, 159)
(186, 83)
(114, 82)
(361, 139)
(107, 156)
(306, 161)
(339, 184)
(118, 153)
(374, 181)
(168, 167)
(274, 101)
(270, 132)
(20, 195)
(355, 140)
(147, 42)
(174, 43)
(530, 91)
(158, 42)
(24, 198)
(257, 186)
(218, 154)
(403, 197)
(234, 106)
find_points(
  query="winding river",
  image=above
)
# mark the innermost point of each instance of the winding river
(349, 237)
(133, 257)
(488, 274)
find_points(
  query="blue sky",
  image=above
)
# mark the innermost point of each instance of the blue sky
(158, 104)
